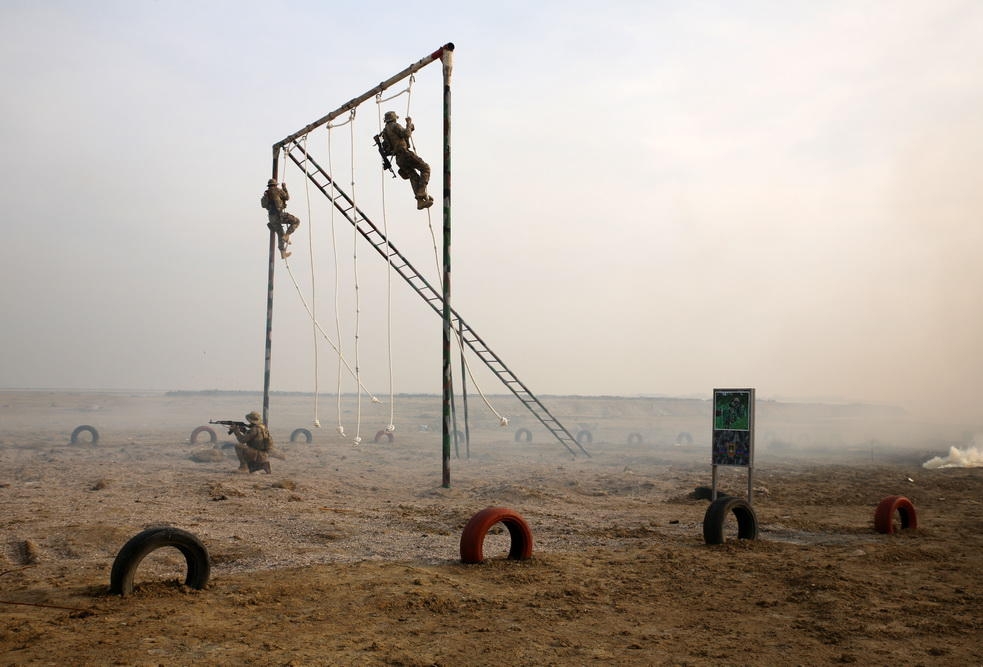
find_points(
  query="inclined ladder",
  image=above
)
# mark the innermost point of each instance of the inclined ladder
(329, 188)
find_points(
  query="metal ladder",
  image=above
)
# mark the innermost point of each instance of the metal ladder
(341, 201)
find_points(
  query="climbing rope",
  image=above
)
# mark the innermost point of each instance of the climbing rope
(408, 91)
(310, 249)
(324, 334)
(334, 249)
(459, 336)
(357, 440)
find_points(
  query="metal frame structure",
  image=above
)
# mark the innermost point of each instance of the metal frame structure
(440, 303)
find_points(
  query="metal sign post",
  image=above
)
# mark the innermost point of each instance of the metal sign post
(733, 433)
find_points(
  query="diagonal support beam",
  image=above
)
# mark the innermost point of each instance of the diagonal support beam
(398, 262)
(351, 104)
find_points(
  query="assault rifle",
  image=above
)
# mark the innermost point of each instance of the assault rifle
(231, 424)
(386, 164)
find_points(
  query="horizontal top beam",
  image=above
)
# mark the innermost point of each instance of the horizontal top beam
(351, 104)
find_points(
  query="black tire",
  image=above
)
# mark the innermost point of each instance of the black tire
(684, 438)
(585, 437)
(523, 435)
(383, 434)
(634, 438)
(717, 512)
(212, 437)
(141, 544)
(308, 438)
(82, 429)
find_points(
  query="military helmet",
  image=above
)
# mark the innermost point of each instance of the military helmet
(253, 417)
(272, 181)
(390, 116)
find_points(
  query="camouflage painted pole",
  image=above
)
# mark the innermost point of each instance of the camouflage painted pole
(269, 314)
(446, 60)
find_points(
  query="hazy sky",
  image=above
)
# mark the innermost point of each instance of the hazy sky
(649, 197)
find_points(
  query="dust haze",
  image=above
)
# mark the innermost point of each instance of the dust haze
(784, 198)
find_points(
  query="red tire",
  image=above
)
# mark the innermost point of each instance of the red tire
(212, 438)
(383, 434)
(473, 537)
(886, 509)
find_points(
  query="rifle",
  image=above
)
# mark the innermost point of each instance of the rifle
(386, 164)
(231, 424)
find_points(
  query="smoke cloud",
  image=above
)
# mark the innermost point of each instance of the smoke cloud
(971, 457)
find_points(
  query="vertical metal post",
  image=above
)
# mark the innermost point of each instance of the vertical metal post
(269, 311)
(447, 65)
(464, 389)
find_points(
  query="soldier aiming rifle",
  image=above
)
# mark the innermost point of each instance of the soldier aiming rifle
(254, 444)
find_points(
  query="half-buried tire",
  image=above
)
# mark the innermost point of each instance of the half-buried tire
(886, 510)
(298, 432)
(473, 537)
(212, 437)
(523, 435)
(133, 552)
(85, 428)
(716, 516)
(388, 435)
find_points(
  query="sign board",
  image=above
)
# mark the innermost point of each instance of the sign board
(733, 427)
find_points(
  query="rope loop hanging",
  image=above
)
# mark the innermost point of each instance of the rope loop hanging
(391, 426)
(357, 440)
(310, 249)
(324, 334)
(340, 428)
(502, 421)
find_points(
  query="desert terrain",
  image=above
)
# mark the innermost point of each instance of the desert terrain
(349, 555)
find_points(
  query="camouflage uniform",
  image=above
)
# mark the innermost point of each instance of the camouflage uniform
(396, 142)
(274, 200)
(254, 445)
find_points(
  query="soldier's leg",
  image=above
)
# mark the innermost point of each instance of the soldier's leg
(241, 455)
(277, 228)
(420, 178)
(424, 170)
(292, 222)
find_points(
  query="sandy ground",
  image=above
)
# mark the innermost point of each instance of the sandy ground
(350, 555)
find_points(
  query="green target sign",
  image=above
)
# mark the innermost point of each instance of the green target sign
(733, 427)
